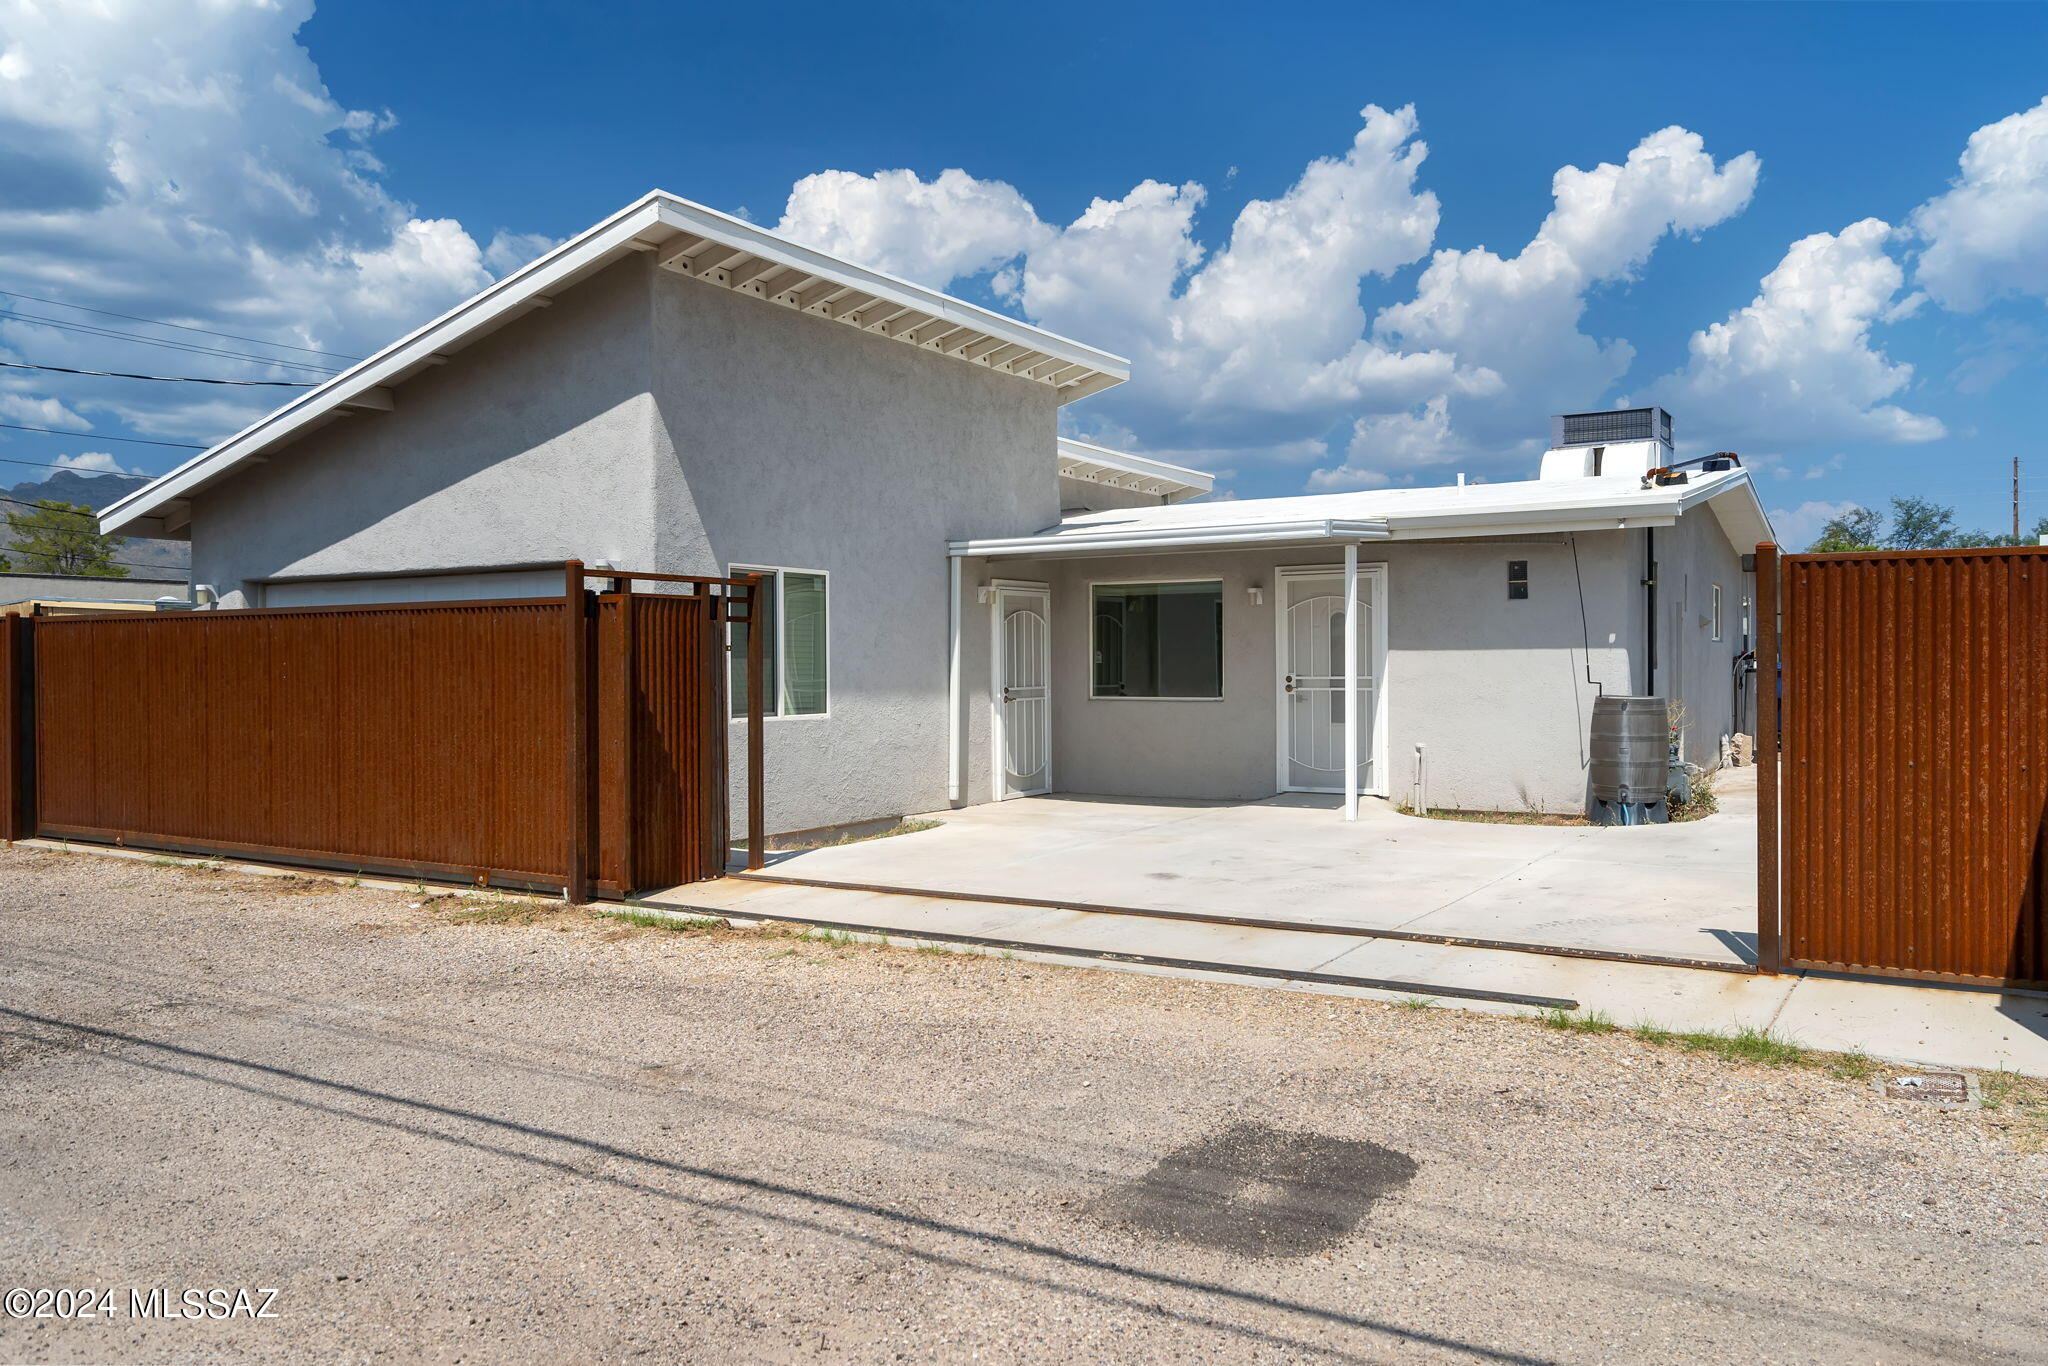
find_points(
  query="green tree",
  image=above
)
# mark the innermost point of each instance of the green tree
(1918, 524)
(64, 538)
(1859, 528)
(1913, 524)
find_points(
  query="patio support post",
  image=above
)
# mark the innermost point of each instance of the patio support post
(1351, 680)
(956, 778)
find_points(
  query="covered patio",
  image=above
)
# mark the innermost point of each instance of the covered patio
(1682, 893)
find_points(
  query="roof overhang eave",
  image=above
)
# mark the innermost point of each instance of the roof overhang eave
(647, 224)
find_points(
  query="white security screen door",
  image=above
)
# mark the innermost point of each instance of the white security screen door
(1311, 607)
(1023, 704)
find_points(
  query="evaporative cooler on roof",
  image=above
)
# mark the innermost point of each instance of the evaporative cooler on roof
(1610, 428)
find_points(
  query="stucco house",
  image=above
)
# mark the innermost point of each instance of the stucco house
(968, 606)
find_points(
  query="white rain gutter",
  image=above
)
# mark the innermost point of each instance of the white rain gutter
(1174, 538)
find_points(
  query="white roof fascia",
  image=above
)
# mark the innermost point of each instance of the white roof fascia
(1515, 521)
(1170, 538)
(1743, 518)
(631, 228)
(1659, 506)
(1172, 478)
(687, 216)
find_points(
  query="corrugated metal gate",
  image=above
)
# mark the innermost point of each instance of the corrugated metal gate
(575, 742)
(1914, 785)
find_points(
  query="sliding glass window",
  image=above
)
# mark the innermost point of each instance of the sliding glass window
(1158, 639)
(794, 645)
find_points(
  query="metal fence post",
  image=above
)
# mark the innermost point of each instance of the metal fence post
(629, 690)
(17, 729)
(576, 873)
(756, 704)
(1768, 836)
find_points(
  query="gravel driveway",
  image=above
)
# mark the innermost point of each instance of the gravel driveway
(446, 1133)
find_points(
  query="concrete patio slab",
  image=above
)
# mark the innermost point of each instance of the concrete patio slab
(1684, 891)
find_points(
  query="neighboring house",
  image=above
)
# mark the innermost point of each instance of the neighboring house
(18, 590)
(966, 605)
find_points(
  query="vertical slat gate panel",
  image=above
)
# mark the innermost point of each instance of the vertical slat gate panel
(1914, 809)
(419, 738)
(425, 737)
(672, 633)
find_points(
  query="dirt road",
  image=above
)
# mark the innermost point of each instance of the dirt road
(446, 1133)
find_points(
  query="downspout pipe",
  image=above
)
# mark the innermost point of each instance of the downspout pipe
(1649, 611)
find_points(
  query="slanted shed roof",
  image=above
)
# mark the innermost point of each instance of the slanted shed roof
(1121, 469)
(688, 239)
(1531, 506)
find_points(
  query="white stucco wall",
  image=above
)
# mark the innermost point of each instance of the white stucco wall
(1496, 690)
(533, 444)
(786, 441)
(663, 424)
(1693, 669)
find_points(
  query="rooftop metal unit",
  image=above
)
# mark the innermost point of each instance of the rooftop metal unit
(1609, 428)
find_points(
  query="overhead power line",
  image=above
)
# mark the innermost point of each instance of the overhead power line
(96, 436)
(158, 322)
(162, 379)
(115, 334)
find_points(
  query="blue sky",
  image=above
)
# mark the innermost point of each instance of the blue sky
(330, 181)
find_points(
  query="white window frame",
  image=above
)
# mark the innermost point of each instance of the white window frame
(782, 711)
(1222, 583)
(1717, 611)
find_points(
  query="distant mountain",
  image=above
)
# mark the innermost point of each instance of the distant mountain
(145, 559)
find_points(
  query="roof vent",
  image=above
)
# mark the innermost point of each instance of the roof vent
(1611, 427)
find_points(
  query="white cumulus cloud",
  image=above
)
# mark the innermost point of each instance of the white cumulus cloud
(40, 412)
(184, 160)
(91, 462)
(931, 231)
(1796, 528)
(1518, 317)
(1988, 235)
(1797, 365)
(1262, 344)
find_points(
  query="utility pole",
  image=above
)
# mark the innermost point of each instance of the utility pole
(2015, 500)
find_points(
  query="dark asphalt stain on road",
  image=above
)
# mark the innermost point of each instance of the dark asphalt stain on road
(1257, 1191)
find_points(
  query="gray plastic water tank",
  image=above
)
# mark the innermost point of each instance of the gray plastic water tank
(1631, 749)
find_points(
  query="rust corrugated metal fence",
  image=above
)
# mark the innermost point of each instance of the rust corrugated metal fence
(661, 723)
(1909, 838)
(575, 742)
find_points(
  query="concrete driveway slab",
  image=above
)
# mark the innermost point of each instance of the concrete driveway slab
(1936, 1026)
(1686, 891)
